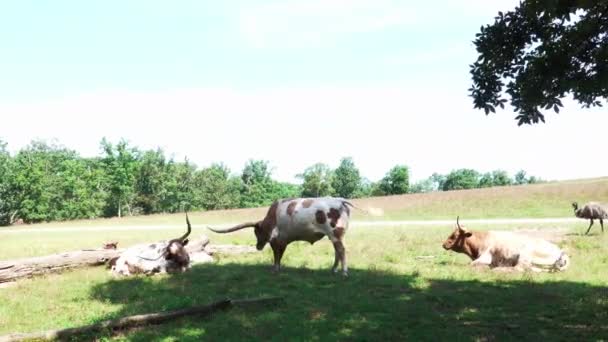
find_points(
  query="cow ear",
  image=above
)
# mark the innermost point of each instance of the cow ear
(185, 242)
(467, 234)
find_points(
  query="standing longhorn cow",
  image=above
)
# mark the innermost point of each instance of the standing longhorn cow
(164, 257)
(302, 219)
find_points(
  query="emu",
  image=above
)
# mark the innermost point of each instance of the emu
(591, 211)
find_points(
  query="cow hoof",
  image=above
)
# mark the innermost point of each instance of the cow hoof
(335, 271)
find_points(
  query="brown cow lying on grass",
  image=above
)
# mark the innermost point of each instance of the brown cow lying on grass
(507, 249)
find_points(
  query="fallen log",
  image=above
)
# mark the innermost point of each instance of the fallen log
(12, 270)
(137, 320)
(23, 268)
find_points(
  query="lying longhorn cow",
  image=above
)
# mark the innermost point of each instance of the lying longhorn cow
(507, 249)
(160, 257)
(302, 219)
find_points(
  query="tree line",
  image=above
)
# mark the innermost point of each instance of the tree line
(49, 182)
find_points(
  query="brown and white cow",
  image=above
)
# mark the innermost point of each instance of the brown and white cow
(302, 219)
(160, 257)
(507, 249)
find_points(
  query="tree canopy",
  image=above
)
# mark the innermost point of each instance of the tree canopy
(346, 179)
(461, 179)
(540, 52)
(6, 176)
(396, 181)
(316, 181)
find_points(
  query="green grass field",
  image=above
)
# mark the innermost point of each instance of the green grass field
(391, 294)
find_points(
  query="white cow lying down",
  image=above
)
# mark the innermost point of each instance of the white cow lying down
(507, 249)
(160, 257)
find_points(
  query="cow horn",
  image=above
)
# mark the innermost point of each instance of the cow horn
(458, 223)
(235, 228)
(189, 229)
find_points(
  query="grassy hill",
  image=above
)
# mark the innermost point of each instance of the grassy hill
(551, 199)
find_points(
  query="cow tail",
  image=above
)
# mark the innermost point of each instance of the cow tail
(370, 211)
(345, 202)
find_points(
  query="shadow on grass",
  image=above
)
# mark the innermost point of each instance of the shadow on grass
(369, 305)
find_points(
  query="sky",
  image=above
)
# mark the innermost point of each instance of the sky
(291, 82)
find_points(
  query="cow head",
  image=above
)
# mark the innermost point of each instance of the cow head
(175, 250)
(456, 240)
(262, 236)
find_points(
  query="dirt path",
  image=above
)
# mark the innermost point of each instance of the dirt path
(354, 224)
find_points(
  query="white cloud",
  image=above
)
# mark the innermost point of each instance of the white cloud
(318, 23)
(321, 23)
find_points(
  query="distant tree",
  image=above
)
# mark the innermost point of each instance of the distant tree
(179, 187)
(500, 178)
(494, 178)
(81, 187)
(257, 184)
(438, 181)
(376, 189)
(346, 179)
(256, 171)
(33, 185)
(540, 52)
(461, 179)
(7, 198)
(422, 186)
(486, 180)
(396, 181)
(520, 177)
(317, 181)
(214, 188)
(151, 181)
(50, 182)
(121, 164)
(365, 189)
(285, 190)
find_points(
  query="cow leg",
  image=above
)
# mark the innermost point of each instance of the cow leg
(524, 263)
(589, 227)
(341, 253)
(485, 259)
(277, 250)
(334, 268)
(602, 224)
